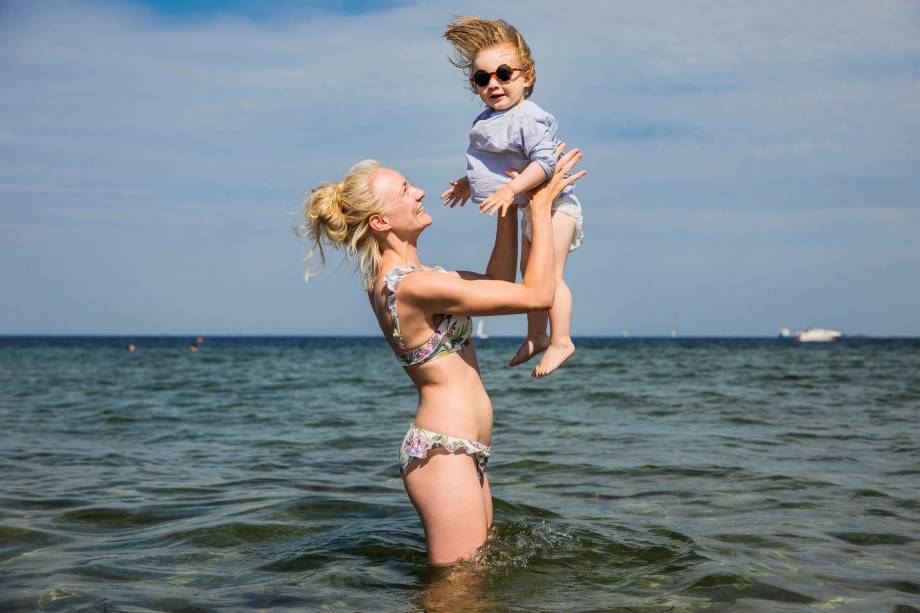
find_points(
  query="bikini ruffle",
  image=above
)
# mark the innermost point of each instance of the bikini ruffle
(396, 274)
(418, 442)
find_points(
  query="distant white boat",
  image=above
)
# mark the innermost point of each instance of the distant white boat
(673, 333)
(817, 335)
(481, 330)
(625, 333)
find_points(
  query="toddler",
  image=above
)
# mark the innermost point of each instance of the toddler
(515, 134)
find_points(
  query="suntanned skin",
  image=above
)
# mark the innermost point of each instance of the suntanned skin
(455, 510)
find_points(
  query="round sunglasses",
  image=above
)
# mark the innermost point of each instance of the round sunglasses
(503, 73)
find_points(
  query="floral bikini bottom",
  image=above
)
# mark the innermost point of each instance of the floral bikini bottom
(419, 442)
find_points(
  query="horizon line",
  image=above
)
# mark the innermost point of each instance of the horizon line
(491, 336)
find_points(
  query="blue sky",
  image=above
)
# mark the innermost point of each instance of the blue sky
(751, 165)
(262, 10)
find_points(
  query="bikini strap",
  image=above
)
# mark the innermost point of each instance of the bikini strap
(392, 278)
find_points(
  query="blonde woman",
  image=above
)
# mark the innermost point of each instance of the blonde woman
(424, 312)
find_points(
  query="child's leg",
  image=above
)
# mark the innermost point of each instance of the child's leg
(560, 346)
(536, 340)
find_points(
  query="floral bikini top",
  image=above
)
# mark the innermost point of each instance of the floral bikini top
(452, 334)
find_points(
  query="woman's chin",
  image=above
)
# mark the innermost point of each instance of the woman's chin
(421, 222)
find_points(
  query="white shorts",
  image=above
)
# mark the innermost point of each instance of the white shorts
(568, 204)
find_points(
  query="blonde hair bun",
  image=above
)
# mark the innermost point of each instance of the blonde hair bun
(324, 207)
(336, 213)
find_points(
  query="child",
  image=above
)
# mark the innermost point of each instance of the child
(515, 134)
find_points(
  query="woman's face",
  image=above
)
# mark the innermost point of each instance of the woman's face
(402, 202)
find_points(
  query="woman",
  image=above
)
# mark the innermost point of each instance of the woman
(375, 215)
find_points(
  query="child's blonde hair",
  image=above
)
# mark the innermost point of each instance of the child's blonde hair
(336, 213)
(470, 35)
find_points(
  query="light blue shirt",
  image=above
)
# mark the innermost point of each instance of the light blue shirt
(510, 139)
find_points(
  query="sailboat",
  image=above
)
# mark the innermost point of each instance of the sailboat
(481, 330)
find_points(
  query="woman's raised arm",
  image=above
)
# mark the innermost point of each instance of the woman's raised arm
(503, 261)
(452, 294)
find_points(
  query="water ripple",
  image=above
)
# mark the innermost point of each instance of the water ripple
(719, 474)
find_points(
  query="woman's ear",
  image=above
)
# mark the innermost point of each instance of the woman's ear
(378, 223)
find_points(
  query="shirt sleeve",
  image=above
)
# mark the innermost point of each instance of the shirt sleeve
(538, 138)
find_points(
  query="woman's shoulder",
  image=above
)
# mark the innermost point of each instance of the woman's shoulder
(392, 277)
(395, 276)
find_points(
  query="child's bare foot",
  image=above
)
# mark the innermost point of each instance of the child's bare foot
(557, 353)
(529, 348)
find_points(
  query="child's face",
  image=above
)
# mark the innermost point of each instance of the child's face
(501, 95)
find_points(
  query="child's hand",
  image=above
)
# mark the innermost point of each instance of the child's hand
(459, 192)
(499, 201)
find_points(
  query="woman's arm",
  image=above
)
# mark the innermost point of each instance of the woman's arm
(503, 261)
(439, 293)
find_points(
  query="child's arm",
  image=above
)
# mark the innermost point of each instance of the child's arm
(459, 192)
(532, 176)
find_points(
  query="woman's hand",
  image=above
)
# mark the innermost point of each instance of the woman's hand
(546, 194)
(459, 192)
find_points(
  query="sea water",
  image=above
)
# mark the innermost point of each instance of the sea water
(645, 475)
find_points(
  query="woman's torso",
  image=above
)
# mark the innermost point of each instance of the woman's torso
(452, 399)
